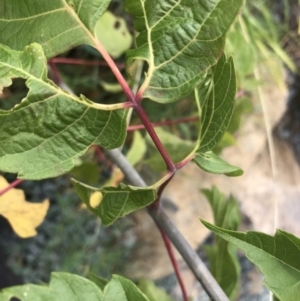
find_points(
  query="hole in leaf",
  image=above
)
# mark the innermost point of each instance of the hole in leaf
(13, 94)
(14, 299)
(117, 24)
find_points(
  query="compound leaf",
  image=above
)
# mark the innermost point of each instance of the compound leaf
(43, 135)
(115, 202)
(222, 256)
(58, 25)
(277, 257)
(68, 287)
(211, 163)
(179, 40)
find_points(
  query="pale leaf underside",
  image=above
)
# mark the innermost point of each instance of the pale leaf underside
(180, 40)
(211, 163)
(43, 135)
(58, 25)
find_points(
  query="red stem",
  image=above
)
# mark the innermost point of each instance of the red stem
(162, 123)
(10, 186)
(113, 67)
(149, 128)
(55, 72)
(63, 60)
(174, 264)
(184, 162)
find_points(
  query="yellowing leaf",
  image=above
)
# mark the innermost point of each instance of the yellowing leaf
(23, 216)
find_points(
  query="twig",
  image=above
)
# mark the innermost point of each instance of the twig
(149, 128)
(163, 123)
(192, 259)
(174, 264)
(168, 227)
(69, 61)
(10, 186)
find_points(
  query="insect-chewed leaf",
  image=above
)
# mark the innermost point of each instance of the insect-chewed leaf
(43, 135)
(277, 257)
(58, 25)
(115, 202)
(67, 287)
(179, 40)
(210, 162)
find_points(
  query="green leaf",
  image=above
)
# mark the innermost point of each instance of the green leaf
(68, 287)
(179, 41)
(113, 34)
(58, 25)
(137, 149)
(226, 141)
(277, 257)
(210, 162)
(44, 135)
(152, 291)
(86, 171)
(226, 212)
(242, 53)
(243, 106)
(222, 256)
(111, 87)
(63, 287)
(215, 100)
(100, 282)
(132, 292)
(115, 202)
